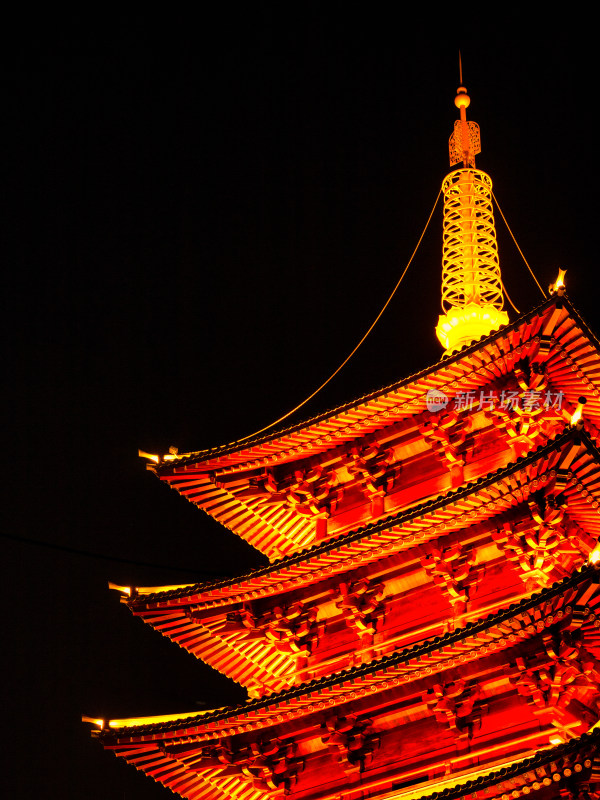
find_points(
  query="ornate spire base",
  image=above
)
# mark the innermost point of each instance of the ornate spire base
(462, 326)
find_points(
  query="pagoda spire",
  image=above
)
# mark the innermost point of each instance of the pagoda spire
(472, 298)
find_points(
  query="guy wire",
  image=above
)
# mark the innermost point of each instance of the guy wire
(519, 249)
(345, 361)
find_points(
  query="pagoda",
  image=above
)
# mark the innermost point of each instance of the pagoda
(429, 622)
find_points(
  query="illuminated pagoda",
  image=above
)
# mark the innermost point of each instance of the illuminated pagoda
(429, 623)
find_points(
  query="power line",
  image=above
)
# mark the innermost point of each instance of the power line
(104, 557)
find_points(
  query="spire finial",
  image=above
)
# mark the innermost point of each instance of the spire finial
(465, 142)
(472, 299)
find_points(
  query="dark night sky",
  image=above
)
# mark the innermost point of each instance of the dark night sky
(203, 217)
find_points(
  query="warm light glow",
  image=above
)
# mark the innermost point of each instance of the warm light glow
(556, 739)
(578, 413)
(128, 590)
(456, 780)
(157, 589)
(172, 455)
(98, 722)
(123, 589)
(472, 297)
(462, 326)
(594, 556)
(133, 722)
(559, 283)
(149, 456)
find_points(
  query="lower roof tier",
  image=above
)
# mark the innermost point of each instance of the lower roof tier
(465, 416)
(420, 574)
(469, 702)
(564, 771)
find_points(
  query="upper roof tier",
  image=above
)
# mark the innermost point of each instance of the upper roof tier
(404, 444)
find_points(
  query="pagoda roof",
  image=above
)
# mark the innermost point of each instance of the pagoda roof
(194, 616)
(199, 755)
(548, 772)
(402, 530)
(494, 633)
(527, 330)
(552, 335)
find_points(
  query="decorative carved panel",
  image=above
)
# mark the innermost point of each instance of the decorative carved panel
(271, 765)
(527, 409)
(372, 465)
(351, 742)
(538, 549)
(361, 607)
(450, 567)
(557, 681)
(446, 432)
(291, 629)
(310, 492)
(455, 704)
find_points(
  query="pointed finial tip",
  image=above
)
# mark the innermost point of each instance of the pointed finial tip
(462, 99)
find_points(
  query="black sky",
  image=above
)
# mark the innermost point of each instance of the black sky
(203, 217)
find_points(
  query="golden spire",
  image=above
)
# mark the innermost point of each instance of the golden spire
(472, 299)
